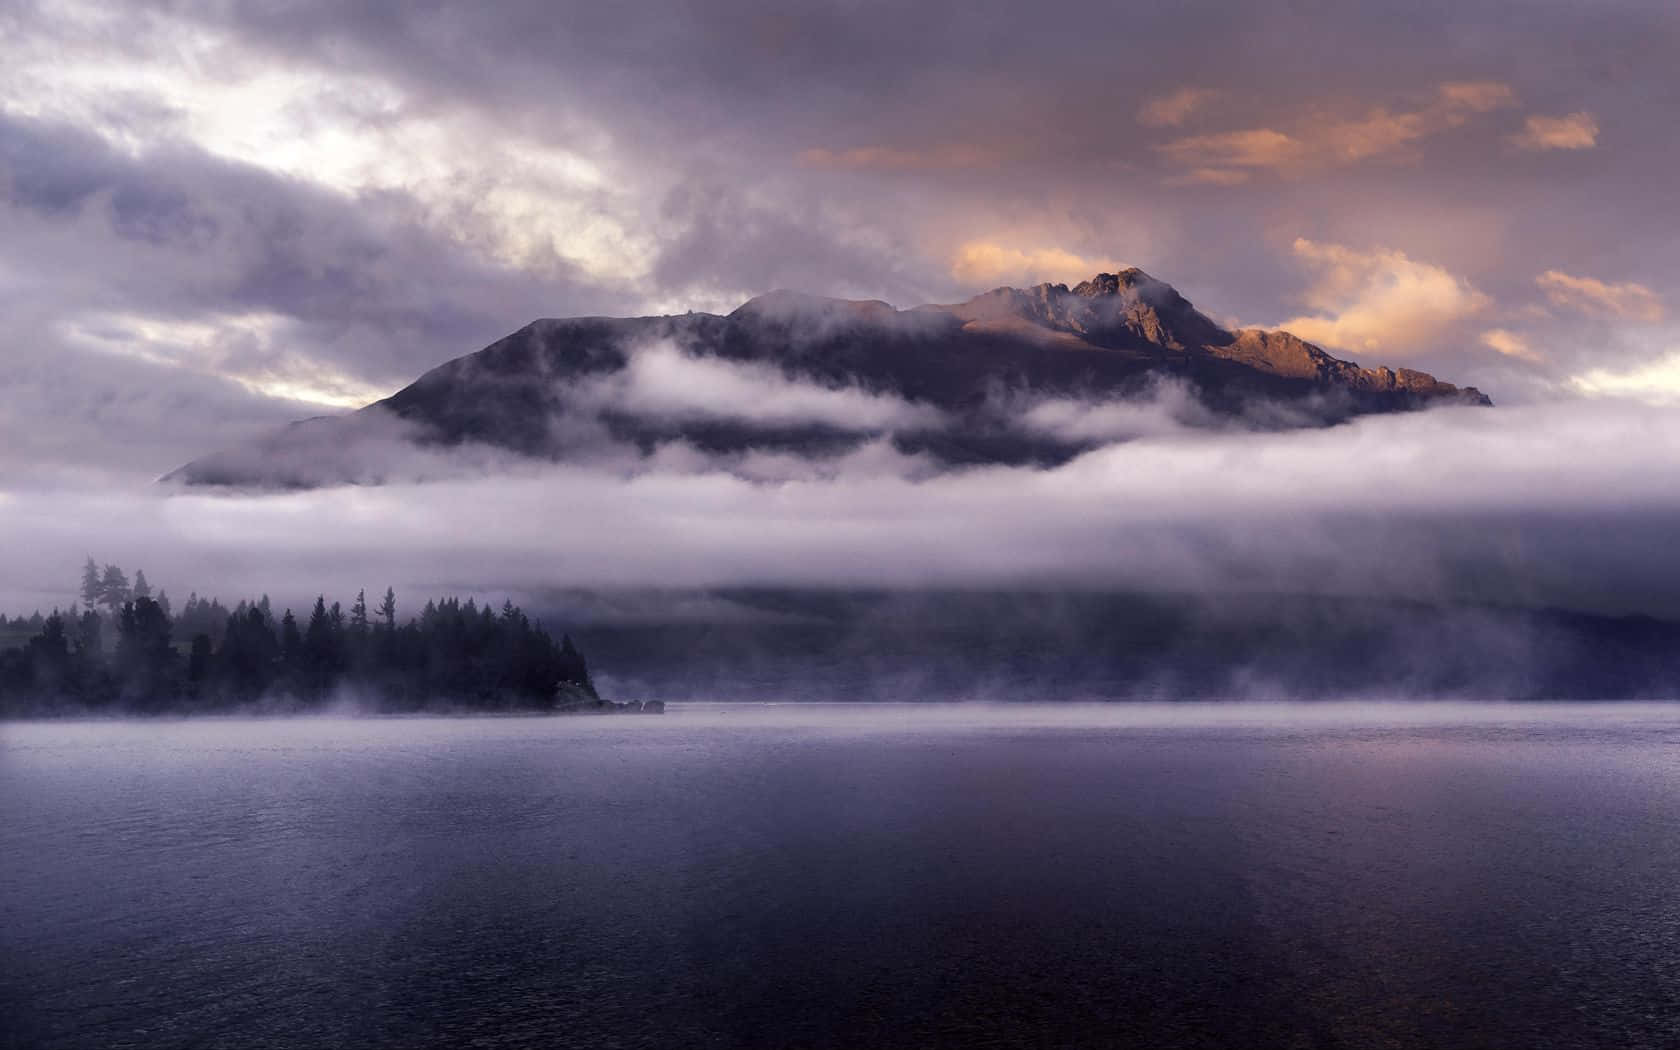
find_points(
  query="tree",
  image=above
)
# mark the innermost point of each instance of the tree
(573, 670)
(322, 647)
(244, 667)
(141, 588)
(456, 651)
(113, 589)
(89, 631)
(198, 663)
(49, 656)
(145, 658)
(291, 643)
(92, 587)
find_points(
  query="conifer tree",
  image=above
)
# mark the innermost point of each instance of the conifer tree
(92, 585)
(291, 642)
(359, 614)
(113, 589)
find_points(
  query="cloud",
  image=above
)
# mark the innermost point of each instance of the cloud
(249, 349)
(990, 263)
(1208, 177)
(387, 186)
(1625, 301)
(1476, 96)
(1569, 503)
(1509, 343)
(887, 158)
(1573, 131)
(661, 381)
(113, 419)
(1254, 148)
(1327, 140)
(1173, 109)
(1380, 300)
(1167, 408)
(1655, 382)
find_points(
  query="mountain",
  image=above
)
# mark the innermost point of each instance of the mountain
(1010, 376)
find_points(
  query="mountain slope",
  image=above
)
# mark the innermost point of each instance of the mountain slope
(813, 377)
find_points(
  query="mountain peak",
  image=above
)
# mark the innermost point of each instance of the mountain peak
(784, 304)
(1116, 283)
(805, 375)
(1128, 308)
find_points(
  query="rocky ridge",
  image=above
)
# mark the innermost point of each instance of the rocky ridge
(964, 369)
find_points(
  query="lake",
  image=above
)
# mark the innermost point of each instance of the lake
(1205, 875)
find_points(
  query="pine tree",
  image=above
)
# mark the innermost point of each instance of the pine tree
(291, 642)
(388, 609)
(145, 661)
(92, 587)
(88, 634)
(141, 588)
(198, 663)
(113, 589)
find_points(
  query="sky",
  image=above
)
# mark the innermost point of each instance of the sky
(219, 217)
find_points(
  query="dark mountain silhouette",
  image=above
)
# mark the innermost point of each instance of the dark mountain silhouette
(961, 372)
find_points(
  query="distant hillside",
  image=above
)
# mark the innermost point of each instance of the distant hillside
(813, 377)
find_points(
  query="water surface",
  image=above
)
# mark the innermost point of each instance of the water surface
(869, 876)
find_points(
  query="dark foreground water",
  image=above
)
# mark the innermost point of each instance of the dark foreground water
(862, 877)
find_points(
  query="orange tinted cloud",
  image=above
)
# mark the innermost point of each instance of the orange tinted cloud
(989, 263)
(1253, 148)
(1379, 300)
(1509, 343)
(1209, 177)
(1326, 141)
(1573, 131)
(1171, 110)
(1476, 96)
(888, 158)
(1627, 300)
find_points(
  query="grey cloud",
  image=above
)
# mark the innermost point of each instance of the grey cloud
(1567, 504)
(221, 236)
(97, 240)
(745, 90)
(698, 116)
(111, 420)
(662, 381)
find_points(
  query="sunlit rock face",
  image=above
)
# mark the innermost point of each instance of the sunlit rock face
(794, 375)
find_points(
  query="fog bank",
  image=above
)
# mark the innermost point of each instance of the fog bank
(1569, 504)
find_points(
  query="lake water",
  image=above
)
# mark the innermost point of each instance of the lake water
(805, 876)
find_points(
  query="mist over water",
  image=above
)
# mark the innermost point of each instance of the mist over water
(1566, 504)
(818, 875)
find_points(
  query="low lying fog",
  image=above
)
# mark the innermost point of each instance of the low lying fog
(1569, 503)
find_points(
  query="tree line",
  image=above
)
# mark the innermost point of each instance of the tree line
(124, 651)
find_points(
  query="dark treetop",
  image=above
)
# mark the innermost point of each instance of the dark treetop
(126, 653)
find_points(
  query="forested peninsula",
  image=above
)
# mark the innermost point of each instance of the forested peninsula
(125, 650)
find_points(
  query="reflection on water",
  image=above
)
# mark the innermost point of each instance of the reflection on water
(795, 875)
